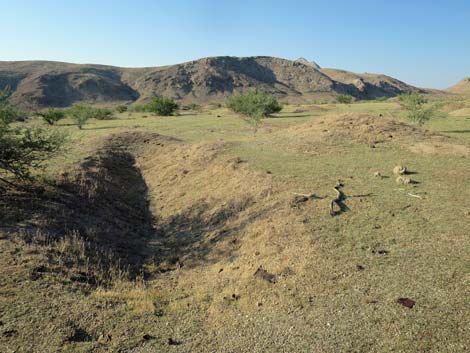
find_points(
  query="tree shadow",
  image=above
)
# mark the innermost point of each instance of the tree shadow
(457, 131)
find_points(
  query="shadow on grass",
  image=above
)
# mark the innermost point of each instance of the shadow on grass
(197, 235)
(104, 204)
(457, 131)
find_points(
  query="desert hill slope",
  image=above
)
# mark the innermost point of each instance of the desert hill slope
(462, 87)
(45, 83)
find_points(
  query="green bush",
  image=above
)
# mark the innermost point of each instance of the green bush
(80, 114)
(194, 106)
(121, 108)
(162, 106)
(23, 149)
(101, 113)
(344, 98)
(52, 116)
(381, 99)
(417, 108)
(254, 106)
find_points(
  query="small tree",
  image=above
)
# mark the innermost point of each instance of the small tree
(80, 114)
(254, 106)
(52, 116)
(101, 113)
(344, 98)
(121, 108)
(23, 149)
(162, 106)
(417, 108)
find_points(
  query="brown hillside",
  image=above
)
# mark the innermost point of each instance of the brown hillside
(463, 87)
(40, 83)
(371, 85)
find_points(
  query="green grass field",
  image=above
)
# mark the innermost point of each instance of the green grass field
(338, 279)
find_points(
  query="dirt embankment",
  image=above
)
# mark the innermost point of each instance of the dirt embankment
(102, 201)
(361, 128)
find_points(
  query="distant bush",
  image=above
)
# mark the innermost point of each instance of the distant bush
(162, 106)
(215, 105)
(381, 99)
(80, 114)
(344, 98)
(194, 106)
(417, 108)
(101, 113)
(51, 115)
(254, 104)
(121, 108)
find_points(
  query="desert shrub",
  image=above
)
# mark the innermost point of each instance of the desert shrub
(121, 108)
(344, 98)
(417, 108)
(80, 114)
(162, 106)
(101, 113)
(381, 99)
(51, 115)
(254, 106)
(213, 105)
(23, 150)
(194, 106)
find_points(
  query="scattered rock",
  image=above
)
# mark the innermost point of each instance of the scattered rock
(380, 252)
(173, 342)
(399, 170)
(9, 333)
(265, 275)
(104, 338)
(80, 335)
(360, 267)
(404, 180)
(148, 337)
(409, 303)
(235, 296)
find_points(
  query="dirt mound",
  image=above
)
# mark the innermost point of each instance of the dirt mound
(101, 201)
(362, 128)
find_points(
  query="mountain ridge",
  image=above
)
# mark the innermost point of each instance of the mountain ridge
(36, 84)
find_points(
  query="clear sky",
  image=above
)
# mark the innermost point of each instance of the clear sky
(422, 42)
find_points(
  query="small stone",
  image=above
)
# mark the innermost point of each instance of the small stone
(407, 302)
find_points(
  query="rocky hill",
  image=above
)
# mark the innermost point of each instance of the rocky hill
(42, 83)
(463, 87)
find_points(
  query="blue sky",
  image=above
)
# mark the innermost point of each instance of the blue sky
(425, 43)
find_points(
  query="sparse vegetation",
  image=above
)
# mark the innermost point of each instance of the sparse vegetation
(214, 240)
(344, 98)
(101, 113)
(80, 114)
(381, 99)
(121, 108)
(51, 116)
(417, 108)
(164, 106)
(23, 150)
(254, 106)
